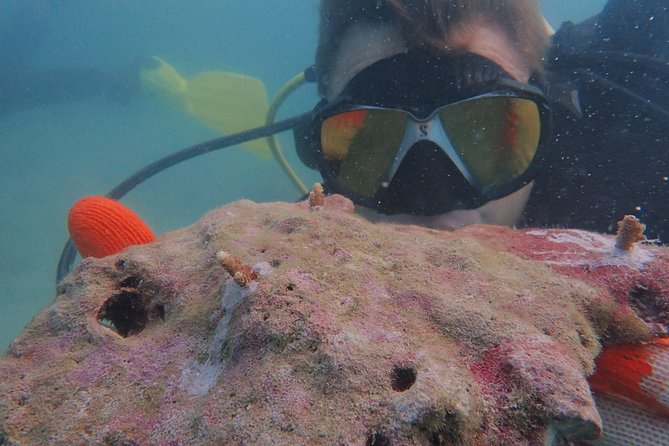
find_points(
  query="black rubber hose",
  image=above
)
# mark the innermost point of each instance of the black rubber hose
(69, 252)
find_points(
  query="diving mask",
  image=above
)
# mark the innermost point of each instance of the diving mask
(421, 133)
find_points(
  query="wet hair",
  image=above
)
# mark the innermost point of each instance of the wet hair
(428, 22)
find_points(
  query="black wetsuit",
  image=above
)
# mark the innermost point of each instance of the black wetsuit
(610, 155)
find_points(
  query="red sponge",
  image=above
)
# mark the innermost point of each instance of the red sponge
(100, 226)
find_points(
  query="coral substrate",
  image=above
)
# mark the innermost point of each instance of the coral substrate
(350, 333)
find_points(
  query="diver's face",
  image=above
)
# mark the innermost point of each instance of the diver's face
(364, 45)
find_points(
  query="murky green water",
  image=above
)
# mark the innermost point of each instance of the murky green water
(53, 153)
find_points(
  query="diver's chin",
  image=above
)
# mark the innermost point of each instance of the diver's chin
(453, 220)
(505, 211)
(449, 221)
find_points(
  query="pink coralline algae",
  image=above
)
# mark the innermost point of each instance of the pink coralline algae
(349, 333)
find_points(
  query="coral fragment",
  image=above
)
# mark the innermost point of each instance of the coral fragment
(241, 278)
(316, 197)
(630, 231)
(242, 274)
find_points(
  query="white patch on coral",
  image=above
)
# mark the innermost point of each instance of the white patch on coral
(198, 379)
(262, 268)
(596, 250)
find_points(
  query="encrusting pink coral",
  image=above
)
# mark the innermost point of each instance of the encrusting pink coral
(630, 231)
(242, 274)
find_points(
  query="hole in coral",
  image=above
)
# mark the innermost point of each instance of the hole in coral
(290, 287)
(584, 339)
(275, 263)
(131, 282)
(377, 439)
(125, 313)
(128, 313)
(403, 378)
(117, 439)
(158, 311)
(442, 428)
(120, 265)
(649, 303)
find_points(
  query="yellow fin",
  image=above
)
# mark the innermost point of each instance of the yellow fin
(230, 103)
(223, 101)
(164, 82)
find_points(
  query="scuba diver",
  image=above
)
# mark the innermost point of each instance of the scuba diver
(609, 121)
(450, 113)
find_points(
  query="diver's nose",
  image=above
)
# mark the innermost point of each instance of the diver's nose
(427, 183)
(433, 131)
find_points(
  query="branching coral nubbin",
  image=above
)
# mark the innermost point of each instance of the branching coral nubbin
(242, 274)
(630, 231)
(316, 197)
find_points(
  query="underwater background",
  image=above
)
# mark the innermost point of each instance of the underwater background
(55, 151)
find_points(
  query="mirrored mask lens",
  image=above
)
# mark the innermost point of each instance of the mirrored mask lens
(361, 145)
(497, 137)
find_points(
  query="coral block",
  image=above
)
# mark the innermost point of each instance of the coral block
(352, 333)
